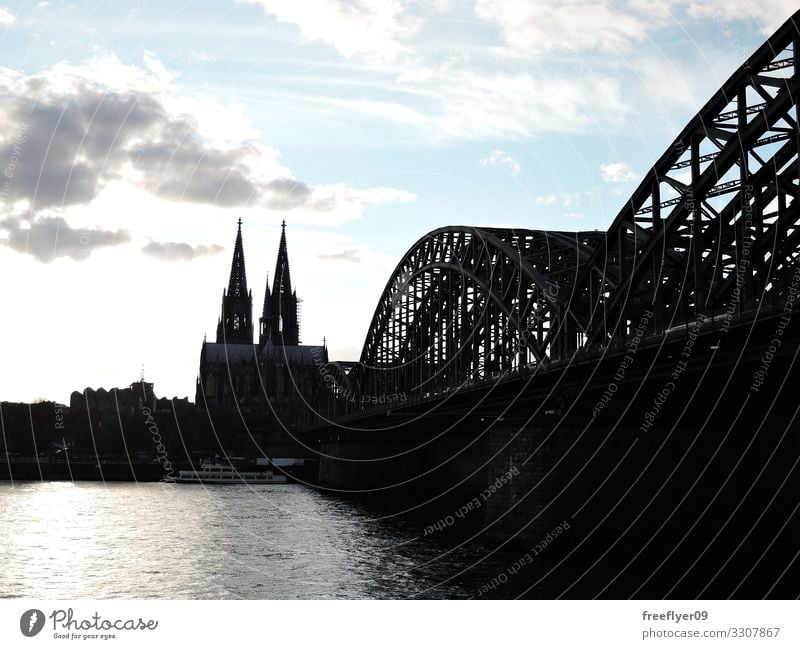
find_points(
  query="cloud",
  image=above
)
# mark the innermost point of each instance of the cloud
(671, 91)
(352, 255)
(464, 104)
(74, 136)
(617, 172)
(536, 27)
(546, 199)
(50, 237)
(285, 193)
(562, 199)
(376, 28)
(482, 105)
(172, 251)
(154, 65)
(178, 165)
(516, 68)
(499, 159)
(68, 145)
(770, 14)
(326, 198)
(6, 17)
(541, 26)
(80, 133)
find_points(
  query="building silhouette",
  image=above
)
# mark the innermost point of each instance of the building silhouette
(130, 423)
(261, 392)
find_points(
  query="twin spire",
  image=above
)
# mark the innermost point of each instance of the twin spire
(237, 285)
(236, 322)
(279, 321)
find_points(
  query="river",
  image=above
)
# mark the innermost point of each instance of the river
(64, 540)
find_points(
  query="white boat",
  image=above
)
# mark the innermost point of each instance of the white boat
(213, 473)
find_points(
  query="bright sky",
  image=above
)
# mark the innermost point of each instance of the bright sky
(135, 133)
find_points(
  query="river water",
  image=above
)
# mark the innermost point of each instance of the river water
(63, 540)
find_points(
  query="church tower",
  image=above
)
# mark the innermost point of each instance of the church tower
(236, 322)
(280, 321)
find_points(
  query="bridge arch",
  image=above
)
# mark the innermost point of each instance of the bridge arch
(465, 303)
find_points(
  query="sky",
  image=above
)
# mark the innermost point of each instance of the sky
(135, 134)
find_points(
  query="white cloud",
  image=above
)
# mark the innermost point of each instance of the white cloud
(6, 17)
(175, 251)
(617, 172)
(545, 26)
(498, 158)
(48, 238)
(529, 68)
(546, 200)
(524, 69)
(462, 103)
(563, 199)
(200, 57)
(652, 9)
(770, 14)
(670, 90)
(537, 26)
(351, 255)
(377, 28)
(410, 74)
(469, 105)
(159, 70)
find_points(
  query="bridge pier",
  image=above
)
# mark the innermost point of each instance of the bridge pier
(534, 482)
(417, 466)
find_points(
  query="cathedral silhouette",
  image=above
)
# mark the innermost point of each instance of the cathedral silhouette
(262, 391)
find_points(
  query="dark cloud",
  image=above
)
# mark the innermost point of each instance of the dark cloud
(346, 255)
(62, 146)
(287, 193)
(181, 167)
(171, 251)
(47, 238)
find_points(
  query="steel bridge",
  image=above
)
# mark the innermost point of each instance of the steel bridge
(710, 236)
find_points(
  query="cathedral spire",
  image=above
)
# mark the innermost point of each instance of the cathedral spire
(280, 322)
(265, 320)
(237, 285)
(236, 322)
(282, 282)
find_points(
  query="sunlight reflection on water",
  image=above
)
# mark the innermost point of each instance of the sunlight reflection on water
(125, 540)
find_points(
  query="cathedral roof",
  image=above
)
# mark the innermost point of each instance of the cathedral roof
(229, 353)
(295, 354)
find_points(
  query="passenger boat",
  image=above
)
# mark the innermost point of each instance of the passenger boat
(215, 473)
